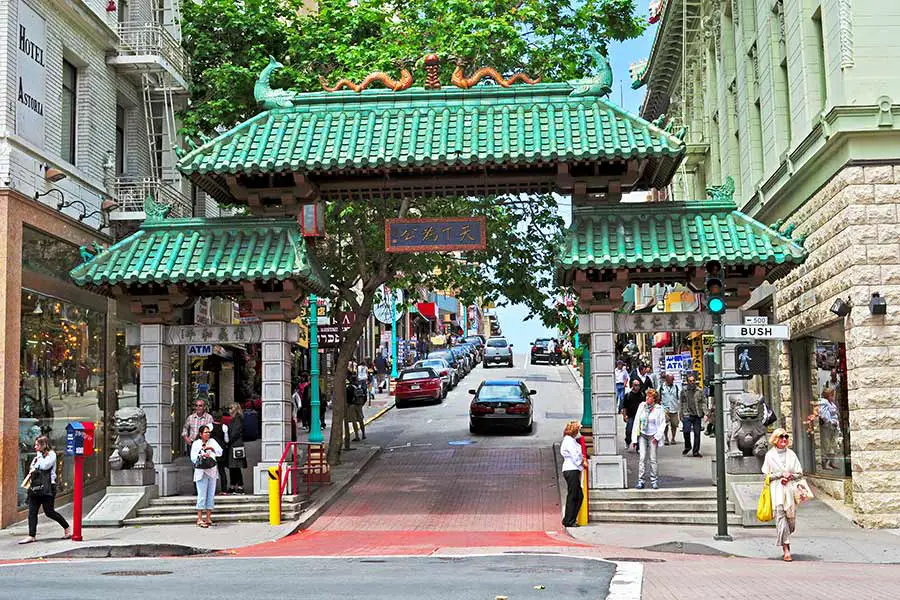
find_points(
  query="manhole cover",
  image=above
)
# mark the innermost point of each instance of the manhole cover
(462, 442)
(633, 559)
(136, 573)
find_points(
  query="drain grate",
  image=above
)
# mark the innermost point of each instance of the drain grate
(136, 573)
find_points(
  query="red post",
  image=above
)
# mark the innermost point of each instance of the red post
(78, 494)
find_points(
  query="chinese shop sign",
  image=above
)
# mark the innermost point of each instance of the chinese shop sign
(435, 234)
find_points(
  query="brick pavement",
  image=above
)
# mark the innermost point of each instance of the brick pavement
(414, 501)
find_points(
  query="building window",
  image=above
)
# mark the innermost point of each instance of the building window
(123, 11)
(69, 109)
(120, 139)
(821, 67)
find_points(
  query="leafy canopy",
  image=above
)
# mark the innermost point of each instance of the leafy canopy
(230, 41)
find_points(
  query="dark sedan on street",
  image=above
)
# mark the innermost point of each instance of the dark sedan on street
(501, 403)
(539, 351)
(422, 383)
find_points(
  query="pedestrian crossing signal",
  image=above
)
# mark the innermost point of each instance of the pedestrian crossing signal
(751, 359)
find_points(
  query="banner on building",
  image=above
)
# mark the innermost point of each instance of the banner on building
(31, 41)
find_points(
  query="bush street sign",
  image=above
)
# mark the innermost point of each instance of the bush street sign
(435, 235)
(756, 332)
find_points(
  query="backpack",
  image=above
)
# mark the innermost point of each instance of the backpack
(251, 425)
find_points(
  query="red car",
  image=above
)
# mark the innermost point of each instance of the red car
(418, 383)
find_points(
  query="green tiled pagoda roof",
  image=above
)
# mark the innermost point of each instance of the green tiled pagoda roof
(205, 251)
(672, 234)
(383, 130)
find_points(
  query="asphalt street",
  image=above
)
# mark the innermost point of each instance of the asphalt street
(370, 578)
(431, 425)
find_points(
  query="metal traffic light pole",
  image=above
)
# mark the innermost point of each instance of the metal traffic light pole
(721, 508)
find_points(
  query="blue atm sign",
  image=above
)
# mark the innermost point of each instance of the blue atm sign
(435, 234)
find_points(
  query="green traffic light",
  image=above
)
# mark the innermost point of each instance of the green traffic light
(716, 305)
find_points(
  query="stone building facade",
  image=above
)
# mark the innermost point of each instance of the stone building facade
(800, 102)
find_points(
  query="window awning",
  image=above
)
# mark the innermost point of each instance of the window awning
(427, 309)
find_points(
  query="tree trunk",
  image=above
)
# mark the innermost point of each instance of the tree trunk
(339, 379)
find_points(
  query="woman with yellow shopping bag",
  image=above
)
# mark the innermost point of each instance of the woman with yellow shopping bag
(782, 469)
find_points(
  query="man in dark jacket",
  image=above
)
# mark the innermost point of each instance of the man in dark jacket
(692, 410)
(630, 405)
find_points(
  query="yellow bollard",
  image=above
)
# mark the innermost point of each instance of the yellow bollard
(274, 496)
(583, 511)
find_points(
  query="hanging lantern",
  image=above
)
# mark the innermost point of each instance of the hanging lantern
(662, 339)
(312, 220)
(111, 6)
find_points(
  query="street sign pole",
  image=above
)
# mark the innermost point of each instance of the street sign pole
(721, 514)
(315, 427)
(394, 371)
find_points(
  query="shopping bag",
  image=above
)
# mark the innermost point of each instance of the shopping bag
(802, 492)
(764, 506)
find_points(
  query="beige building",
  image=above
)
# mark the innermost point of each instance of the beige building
(799, 101)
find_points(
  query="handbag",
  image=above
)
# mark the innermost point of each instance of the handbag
(802, 492)
(41, 484)
(764, 506)
(26, 483)
(205, 462)
(238, 453)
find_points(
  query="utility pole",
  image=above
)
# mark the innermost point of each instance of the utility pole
(315, 427)
(721, 507)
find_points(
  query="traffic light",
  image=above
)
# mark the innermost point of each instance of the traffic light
(709, 368)
(715, 288)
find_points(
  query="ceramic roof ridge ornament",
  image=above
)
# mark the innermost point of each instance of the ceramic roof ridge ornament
(268, 97)
(722, 192)
(460, 80)
(637, 70)
(598, 85)
(155, 211)
(398, 85)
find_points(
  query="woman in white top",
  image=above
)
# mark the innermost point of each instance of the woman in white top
(205, 476)
(44, 461)
(573, 465)
(783, 468)
(650, 430)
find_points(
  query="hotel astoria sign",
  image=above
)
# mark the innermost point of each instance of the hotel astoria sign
(31, 41)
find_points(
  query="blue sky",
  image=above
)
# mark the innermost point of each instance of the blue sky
(512, 318)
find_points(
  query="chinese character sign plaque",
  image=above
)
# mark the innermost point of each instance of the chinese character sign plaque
(435, 235)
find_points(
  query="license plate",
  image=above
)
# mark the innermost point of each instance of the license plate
(499, 411)
(415, 387)
(498, 359)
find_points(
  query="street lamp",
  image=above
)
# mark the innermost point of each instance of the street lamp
(315, 427)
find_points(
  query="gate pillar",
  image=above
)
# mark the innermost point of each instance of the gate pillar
(607, 467)
(277, 410)
(156, 402)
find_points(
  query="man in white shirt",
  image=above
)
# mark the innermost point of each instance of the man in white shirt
(551, 351)
(621, 378)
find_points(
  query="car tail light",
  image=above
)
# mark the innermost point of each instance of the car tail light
(534, 349)
(432, 383)
(481, 409)
(445, 373)
(517, 409)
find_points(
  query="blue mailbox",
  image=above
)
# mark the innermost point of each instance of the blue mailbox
(74, 438)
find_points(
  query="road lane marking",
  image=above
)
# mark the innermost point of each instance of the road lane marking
(626, 583)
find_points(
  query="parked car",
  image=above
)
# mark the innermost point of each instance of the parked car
(501, 403)
(478, 342)
(498, 351)
(463, 358)
(421, 383)
(452, 360)
(539, 351)
(447, 374)
(470, 351)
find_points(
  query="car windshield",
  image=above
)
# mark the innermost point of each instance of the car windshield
(474, 340)
(495, 392)
(413, 375)
(540, 342)
(430, 363)
(501, 343)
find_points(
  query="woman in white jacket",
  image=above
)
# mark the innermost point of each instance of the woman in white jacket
(784, 469)
(205, 476)
(650, 431)
(573, 465)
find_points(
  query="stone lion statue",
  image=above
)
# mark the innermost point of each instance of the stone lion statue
(131, 450)
(749, 433)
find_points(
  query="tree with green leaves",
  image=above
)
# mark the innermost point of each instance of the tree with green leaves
(230, 42)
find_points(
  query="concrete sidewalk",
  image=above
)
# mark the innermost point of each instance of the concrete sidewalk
(175, 540)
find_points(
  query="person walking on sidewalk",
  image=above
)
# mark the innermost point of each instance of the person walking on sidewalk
(621, 378)
(573, 465)
(671, 402)
(42, 473)
(356, 398)
(236, 457)
(551, 351)
(632, 402)
(783, 468)
(204, 454)
(651, 430)
(692, 401)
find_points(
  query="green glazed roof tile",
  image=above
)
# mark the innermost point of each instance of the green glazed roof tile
(524, 124)
(678, 234)
(210, 251)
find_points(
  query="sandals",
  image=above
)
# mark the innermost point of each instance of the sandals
(202, 523)
(27, 540)
(788, 558)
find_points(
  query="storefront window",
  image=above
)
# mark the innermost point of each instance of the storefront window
(826, 415)
(128, 370)
(61, 380)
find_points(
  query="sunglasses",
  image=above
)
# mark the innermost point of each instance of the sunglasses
(784, 436)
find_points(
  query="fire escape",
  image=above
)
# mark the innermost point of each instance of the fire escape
(149, 51)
